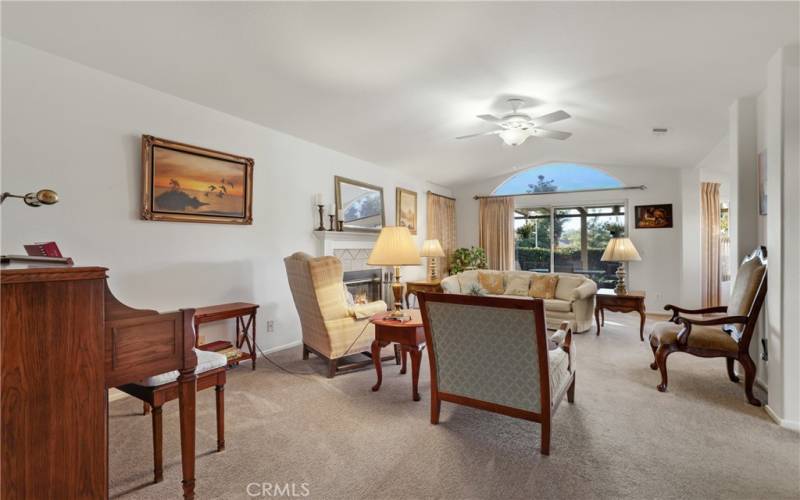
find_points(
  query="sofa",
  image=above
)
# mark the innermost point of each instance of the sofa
(573, 301)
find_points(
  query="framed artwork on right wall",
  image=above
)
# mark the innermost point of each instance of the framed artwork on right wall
(653, 216)
(762, 183)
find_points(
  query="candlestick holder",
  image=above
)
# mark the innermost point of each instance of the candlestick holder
(330, 222)
(321, 223)
(340, 225)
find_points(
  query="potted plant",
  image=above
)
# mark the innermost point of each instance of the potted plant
(465, 259)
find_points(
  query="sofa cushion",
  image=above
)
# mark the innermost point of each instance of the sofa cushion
(491, 281)
(558, 370)
(467, 280)
(543, 286)
(517, 285)
(557, 305)
(567, 283)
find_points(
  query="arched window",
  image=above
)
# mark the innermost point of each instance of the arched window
(554, 177)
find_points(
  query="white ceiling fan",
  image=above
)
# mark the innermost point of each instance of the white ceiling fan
(516, 127)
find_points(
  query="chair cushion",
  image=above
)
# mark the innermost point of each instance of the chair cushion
(748, 278)
(567, 283)
(491, 281)
(206, 361)
(543, 286)
(702, 337)
(559, 371)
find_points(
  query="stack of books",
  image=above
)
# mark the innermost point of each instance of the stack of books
(231, 352)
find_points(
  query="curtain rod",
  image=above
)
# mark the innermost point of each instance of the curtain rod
(441, 195)
(478, 197)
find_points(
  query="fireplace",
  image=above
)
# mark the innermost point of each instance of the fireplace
(366, 285)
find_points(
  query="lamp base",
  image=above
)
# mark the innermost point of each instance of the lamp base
(621, 289)
(397, 291)
(433, 272)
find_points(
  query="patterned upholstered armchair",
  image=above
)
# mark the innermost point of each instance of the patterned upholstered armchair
(724, 336)
(332, 329)
(495, 354)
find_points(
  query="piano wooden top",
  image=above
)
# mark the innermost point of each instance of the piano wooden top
(29, 273)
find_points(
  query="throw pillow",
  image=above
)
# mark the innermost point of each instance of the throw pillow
(517, 286)
(543, 286)
(566, 285)
(491, 282)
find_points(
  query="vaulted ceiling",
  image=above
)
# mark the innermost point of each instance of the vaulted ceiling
(395, 83)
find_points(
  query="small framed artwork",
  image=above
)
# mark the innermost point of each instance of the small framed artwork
(406, 212)
(653, 216)
(762, 183)
(193, 184)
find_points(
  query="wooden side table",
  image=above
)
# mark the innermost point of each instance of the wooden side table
(410, 335)
(412, 287)
(632, 302)
(245, 329)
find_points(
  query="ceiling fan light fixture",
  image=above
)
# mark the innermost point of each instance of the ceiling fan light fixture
(514, 136)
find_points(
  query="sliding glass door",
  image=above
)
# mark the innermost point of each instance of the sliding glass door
(568, 239)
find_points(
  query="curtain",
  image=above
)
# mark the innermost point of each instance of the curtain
(710, 236)
(496, 232)
(442, 226)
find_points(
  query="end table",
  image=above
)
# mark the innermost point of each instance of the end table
(410, 335)
(631, 302)
(412, 287)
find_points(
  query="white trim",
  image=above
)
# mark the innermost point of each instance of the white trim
(786, 424)
(328, 241)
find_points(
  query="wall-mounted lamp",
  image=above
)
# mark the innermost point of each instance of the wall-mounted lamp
(37, 199)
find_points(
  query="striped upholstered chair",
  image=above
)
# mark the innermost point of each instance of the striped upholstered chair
(331, 329)
(495, 354)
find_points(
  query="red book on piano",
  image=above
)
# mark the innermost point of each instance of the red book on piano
(46, 249)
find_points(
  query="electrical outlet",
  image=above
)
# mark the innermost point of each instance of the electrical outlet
(270, 325)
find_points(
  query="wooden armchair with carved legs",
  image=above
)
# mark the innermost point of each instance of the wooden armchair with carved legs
(725, 336)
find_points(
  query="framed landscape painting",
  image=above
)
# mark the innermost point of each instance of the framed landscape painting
(653, 216)
(193, 184)
(406, 212)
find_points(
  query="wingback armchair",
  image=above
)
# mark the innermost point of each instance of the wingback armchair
(725, 336)
(332, 329)
(494, 354)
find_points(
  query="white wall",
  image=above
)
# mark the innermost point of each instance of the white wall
(781, 134)
(78, 131)
(660, 248)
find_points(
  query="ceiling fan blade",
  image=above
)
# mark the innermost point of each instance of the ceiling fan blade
(549, 118)
(550, 134)
(490, 118)
(493, 132)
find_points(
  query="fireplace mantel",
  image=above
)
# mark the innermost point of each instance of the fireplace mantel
(328, 241)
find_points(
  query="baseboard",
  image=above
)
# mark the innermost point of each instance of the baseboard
(786, 424)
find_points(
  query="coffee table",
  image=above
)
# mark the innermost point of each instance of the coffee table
(409, 335)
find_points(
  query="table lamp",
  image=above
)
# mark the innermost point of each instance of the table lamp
(620, 250)
(395, 248)
(432, 249)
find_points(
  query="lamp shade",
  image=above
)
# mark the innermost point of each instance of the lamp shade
(395, 247)
(432, 248)
(620, 250)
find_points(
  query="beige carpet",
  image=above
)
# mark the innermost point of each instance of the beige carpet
(621, 438)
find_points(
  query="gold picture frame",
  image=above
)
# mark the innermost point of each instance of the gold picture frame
(361, 203)
(185, 183)
(406, 209)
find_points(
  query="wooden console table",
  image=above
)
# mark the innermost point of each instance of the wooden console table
(245, 330)
(412, 287)
(632, 302)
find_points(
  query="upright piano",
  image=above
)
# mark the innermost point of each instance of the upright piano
(65, 340)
